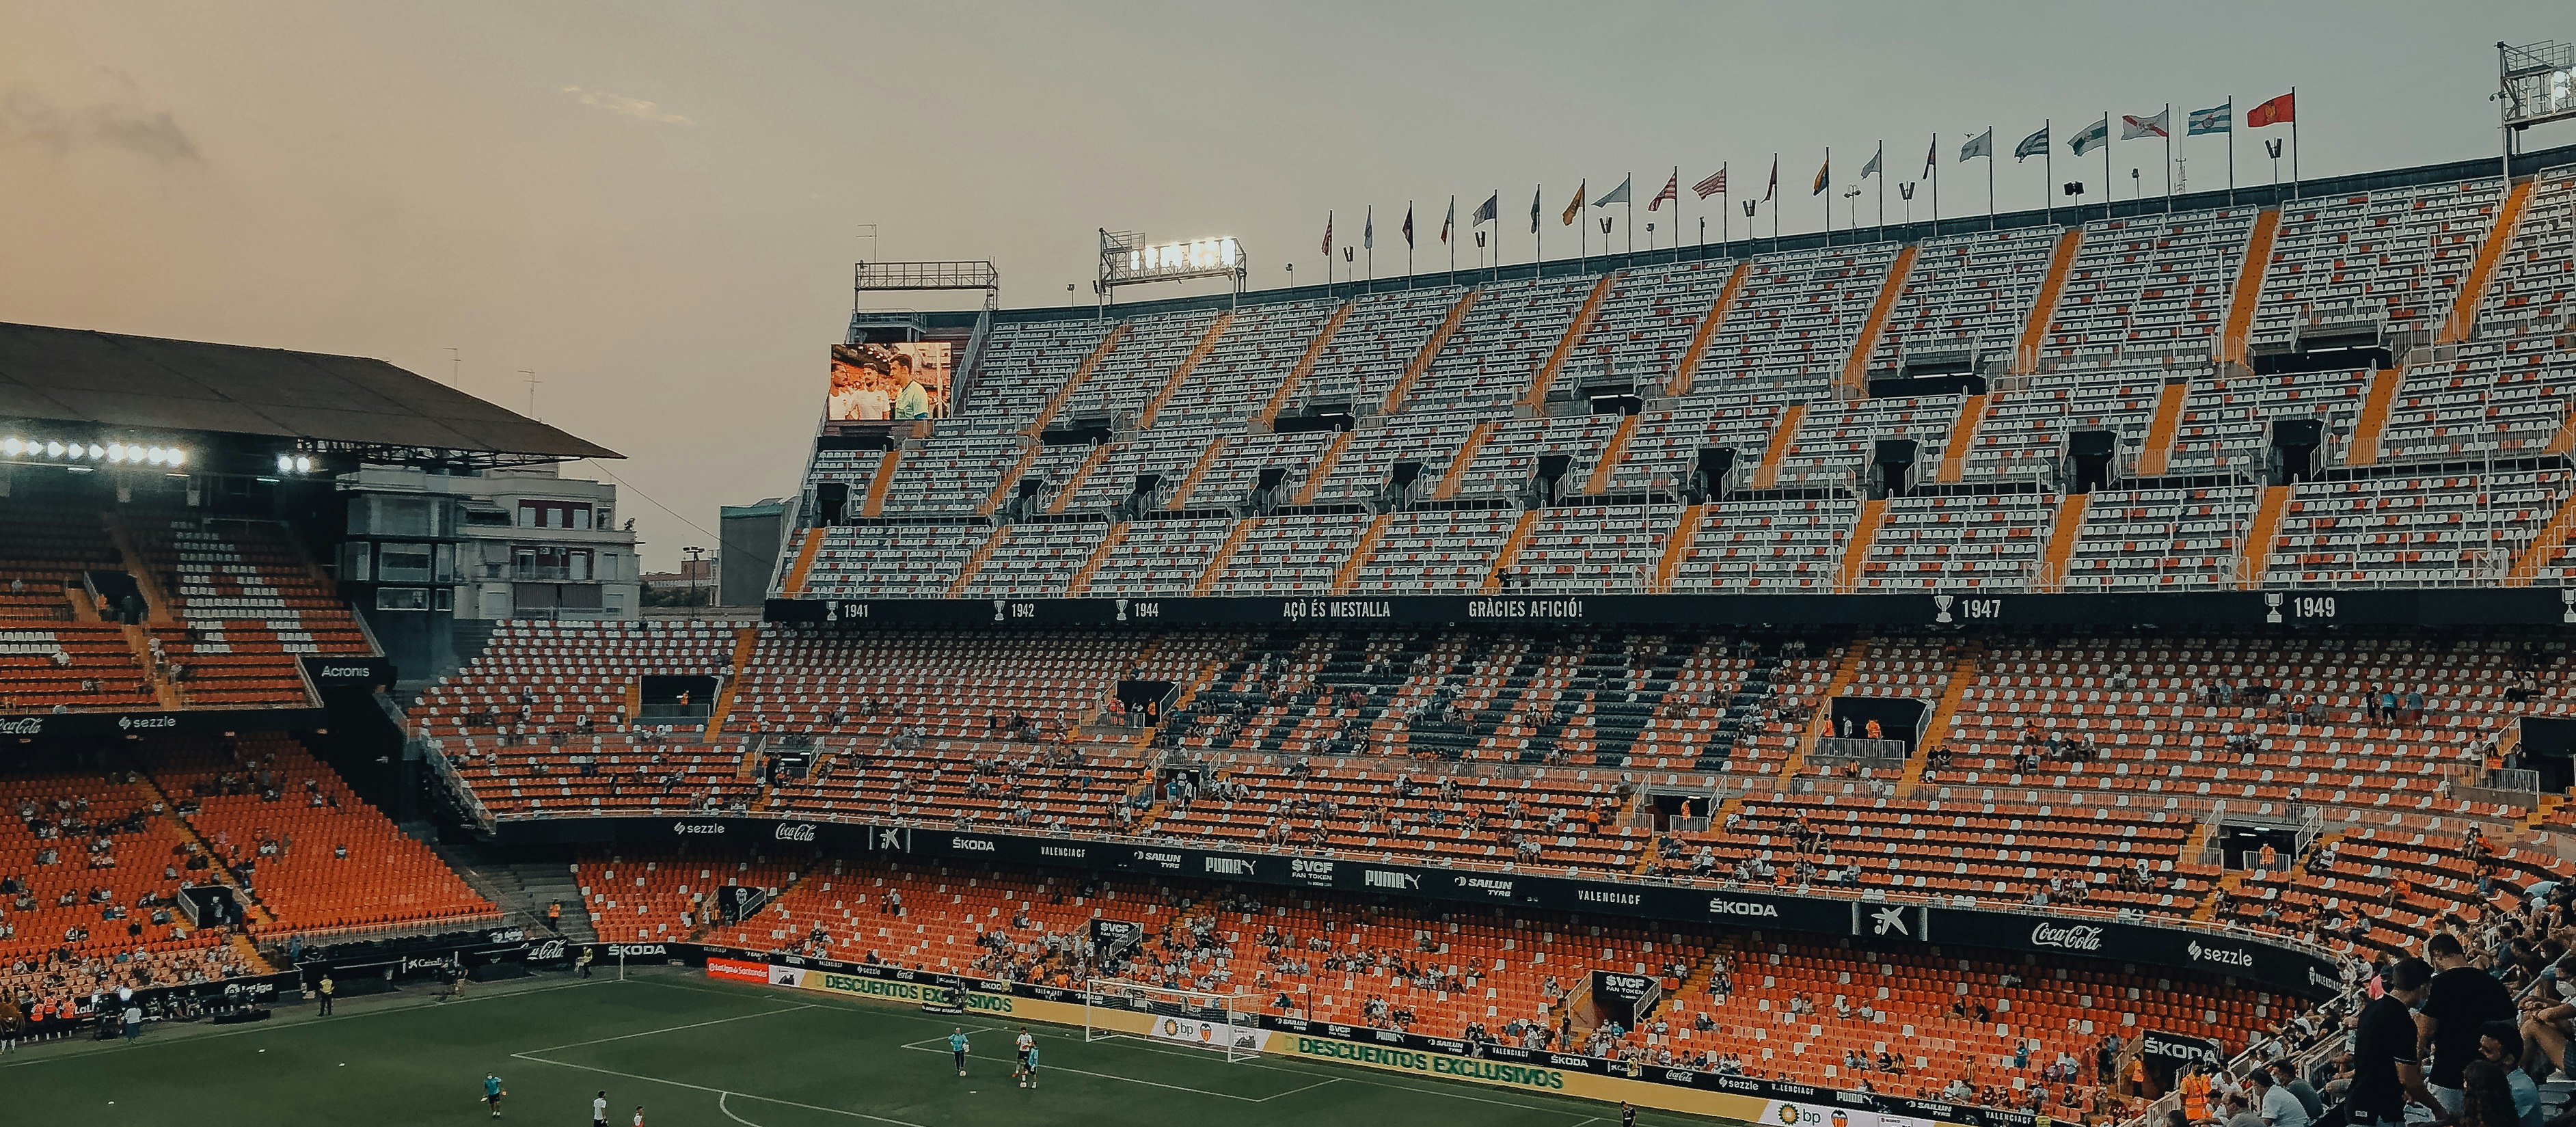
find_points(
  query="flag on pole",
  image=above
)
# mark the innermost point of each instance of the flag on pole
(1328, 234)
(1487, 213)
(1451, 222)
(1871, 169)
(1574, 207)
(1774, 185)
(1368, 229)
(1983, 145)
(1672, 191)
(2219, 118)
(1615, 195)
(1932, 156)
(2272, 112)
(1824, 177)
(1408, 225)
(1534, 206)
(2133, 127)
(2031, 146)
(1715, 183)
(2094, 136)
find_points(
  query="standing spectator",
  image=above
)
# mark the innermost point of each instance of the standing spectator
(328, 988)
(133, 1020)
(2386, 1072)
(2460, 1001)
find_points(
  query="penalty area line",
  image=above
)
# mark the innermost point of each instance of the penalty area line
(721, 1094)
(1046, 1068)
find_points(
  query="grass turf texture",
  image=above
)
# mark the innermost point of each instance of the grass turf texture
(695, 1051)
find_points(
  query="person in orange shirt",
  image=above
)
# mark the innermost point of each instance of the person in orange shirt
(2195, 1096)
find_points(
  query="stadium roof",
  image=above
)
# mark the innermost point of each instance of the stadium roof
(108, 379)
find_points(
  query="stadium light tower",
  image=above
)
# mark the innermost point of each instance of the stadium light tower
(1126, 260)
(2535, 85)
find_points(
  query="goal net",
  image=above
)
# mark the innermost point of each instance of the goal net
(1226, 1023)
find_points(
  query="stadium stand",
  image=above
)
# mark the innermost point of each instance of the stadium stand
(2359, 391)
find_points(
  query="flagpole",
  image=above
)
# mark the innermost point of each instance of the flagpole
(1328, 252)
(1826, 175)
(1881, 161)
(1936, 185)
(1631, 201)
(2294, 146)
(2108, 196)
(1772, 190)
(1498, 234)
(1677, 213)
(1449, 235)
(1725, 205)
(2231, 150)
(2169, 158)
(1368, 243)
(1990, 178)
(2048, 168)
(1538, 235)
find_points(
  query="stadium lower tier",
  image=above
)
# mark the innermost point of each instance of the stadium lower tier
(1835, 1015)
(2132, 773)
(107, 854)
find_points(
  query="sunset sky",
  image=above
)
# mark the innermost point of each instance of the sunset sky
(655, 206)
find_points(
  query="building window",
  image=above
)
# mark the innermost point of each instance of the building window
(402, 598)
(403, 563)
(554, 514)
(543, 562)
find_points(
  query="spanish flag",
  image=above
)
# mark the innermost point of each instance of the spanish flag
(1824, 174)
(1576, 207)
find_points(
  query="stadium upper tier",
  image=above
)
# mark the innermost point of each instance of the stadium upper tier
(2363, 389)
(141, 609)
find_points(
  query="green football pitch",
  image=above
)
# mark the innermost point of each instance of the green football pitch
(695, 1051)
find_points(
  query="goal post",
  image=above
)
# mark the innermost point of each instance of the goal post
(1228, 1023)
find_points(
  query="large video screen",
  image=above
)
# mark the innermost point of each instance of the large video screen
(879, 382)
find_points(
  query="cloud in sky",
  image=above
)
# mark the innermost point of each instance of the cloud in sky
(28, 116)
(630, 107)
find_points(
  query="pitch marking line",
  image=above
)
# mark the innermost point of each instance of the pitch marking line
(672, 1029)
(1045, 1068)
(721, 1094)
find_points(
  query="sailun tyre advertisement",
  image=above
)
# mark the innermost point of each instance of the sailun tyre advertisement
(1766, 1103)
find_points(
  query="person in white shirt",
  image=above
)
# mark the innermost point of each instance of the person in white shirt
(599, 1110)
(2275, 1103)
